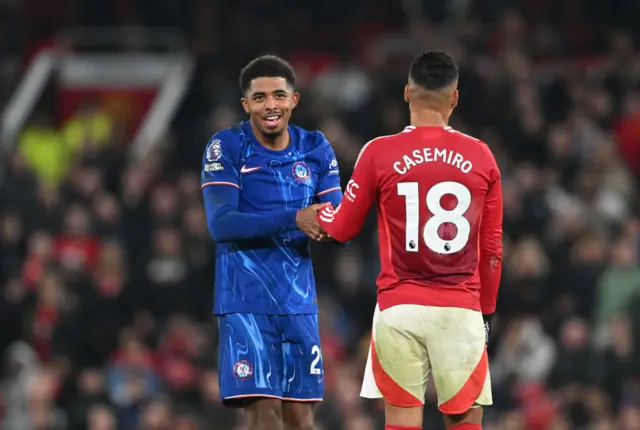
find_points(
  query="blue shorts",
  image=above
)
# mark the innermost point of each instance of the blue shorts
(274, 356)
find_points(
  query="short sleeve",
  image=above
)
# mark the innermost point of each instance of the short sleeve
(220, 161)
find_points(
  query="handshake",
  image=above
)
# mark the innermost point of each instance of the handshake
(307, 222)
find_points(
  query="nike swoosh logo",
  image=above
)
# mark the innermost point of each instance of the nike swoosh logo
(246, 169)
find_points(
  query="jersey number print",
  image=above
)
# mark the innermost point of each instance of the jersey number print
(455, 216)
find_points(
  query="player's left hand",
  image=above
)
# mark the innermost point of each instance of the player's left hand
(307, 221)
(487, 326)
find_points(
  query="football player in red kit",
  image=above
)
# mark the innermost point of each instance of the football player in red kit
(439, 200)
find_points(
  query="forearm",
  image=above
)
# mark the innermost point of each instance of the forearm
(490, 266)
(228, 224)
(231, 225)
(490, 269)
(339, 225)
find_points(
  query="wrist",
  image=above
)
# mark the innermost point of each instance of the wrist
(292, 219)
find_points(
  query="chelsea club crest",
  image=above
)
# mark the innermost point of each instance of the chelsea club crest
(301, 171)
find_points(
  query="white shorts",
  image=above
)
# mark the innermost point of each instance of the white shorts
(411, 341)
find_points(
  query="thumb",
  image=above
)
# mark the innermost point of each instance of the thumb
(317, 206)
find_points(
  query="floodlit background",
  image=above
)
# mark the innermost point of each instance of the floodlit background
(106, 265)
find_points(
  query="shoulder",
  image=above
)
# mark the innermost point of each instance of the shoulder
(474, 142)
(378, 144)
(310, 139)
(479, 146)
(225, 143)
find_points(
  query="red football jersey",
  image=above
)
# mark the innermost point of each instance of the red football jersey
(439, 199)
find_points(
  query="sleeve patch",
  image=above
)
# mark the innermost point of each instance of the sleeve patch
(213, 167)
(214, 151)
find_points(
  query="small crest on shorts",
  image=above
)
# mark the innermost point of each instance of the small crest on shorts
(243, 370)
(301, 171)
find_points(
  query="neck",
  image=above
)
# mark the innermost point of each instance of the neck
(425, 117)
(275, 143)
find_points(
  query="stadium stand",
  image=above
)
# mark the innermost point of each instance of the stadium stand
(106, 264)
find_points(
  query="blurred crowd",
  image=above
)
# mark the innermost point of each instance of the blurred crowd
(106, 265)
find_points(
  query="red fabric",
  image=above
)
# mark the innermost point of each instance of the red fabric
(315, 62)
(82, 252)
(439, 203)
(333, 353)
(467, 427)
(628, 134)
(470, 391)
(127, 106)
(32, 270)
(394, 427)
(109, 284)
(46, 318)
(538, 407)
(178, 372)
(393, 393)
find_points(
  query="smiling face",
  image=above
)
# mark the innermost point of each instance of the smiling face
(269, 102)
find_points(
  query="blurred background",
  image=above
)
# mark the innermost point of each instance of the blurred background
(106, 264)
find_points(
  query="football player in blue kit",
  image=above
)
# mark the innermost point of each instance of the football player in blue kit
(261, 179)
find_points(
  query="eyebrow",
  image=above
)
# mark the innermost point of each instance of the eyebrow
(264, 93)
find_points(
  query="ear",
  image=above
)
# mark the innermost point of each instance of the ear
(245, 104)
(295, 98)
(454, 99)
(406, 93)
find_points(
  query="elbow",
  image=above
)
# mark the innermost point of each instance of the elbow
(218, 232)
(491, 249)
(221, 227)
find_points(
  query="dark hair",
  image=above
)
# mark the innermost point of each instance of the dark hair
(266, 66)
(433, 70)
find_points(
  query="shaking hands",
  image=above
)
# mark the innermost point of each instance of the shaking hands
(307, 222)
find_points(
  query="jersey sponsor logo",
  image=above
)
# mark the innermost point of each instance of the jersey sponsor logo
(213, 167)
(214, 152)
(350, 191)
(245, 169)
(301, 171)
(243, 370)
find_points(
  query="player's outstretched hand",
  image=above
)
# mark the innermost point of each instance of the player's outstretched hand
(307, 221)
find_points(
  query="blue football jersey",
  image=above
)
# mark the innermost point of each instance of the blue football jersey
(263, 262)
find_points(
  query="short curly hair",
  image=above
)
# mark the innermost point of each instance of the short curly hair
(266, 66)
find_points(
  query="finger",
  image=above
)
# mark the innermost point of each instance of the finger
(314, 237)
(314, 233)
(314, 225)
(317, 206)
